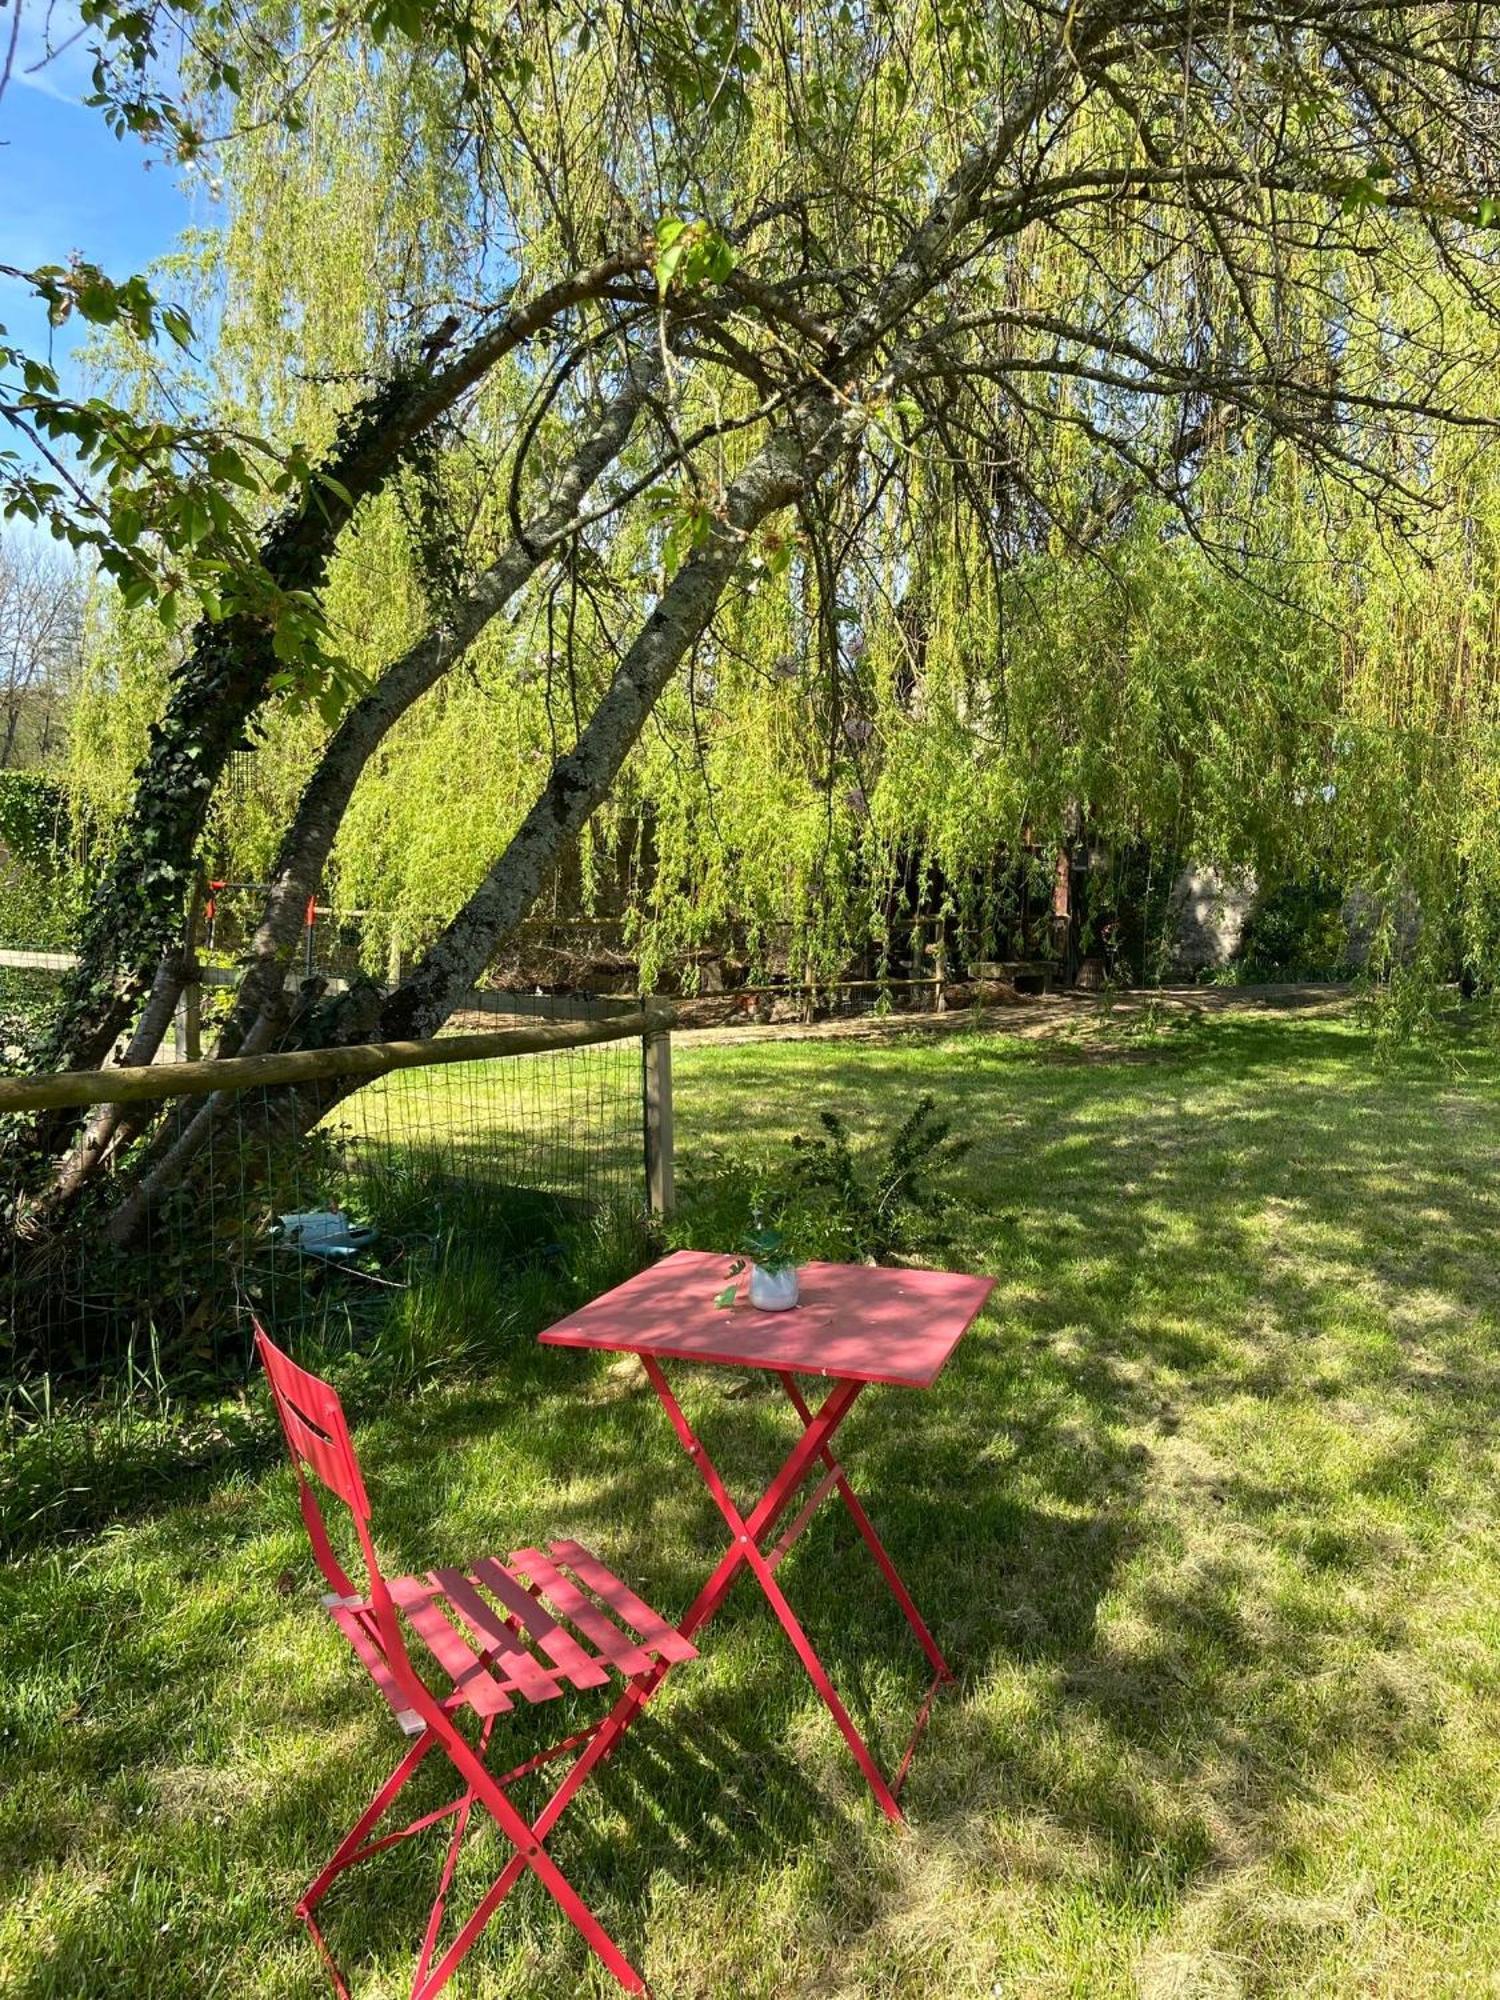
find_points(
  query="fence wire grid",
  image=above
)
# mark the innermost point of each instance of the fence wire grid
(443, 1182)
(27, 997)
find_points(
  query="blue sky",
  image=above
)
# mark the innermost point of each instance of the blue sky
(66, 183)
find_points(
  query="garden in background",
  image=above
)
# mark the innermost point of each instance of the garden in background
(1204, 1509)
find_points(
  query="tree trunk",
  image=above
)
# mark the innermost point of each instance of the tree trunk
(829, 418)
(138, 906)
(259, 1009)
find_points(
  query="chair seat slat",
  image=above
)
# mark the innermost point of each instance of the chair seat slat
(467, 1672)
(353, 1629)
(653, 1629)
(564, 1595)
(560, 1647)
(528, 1678)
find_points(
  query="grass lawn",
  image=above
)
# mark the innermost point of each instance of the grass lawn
(1204, 1512)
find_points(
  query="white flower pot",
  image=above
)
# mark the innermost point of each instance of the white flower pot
(773, 1291)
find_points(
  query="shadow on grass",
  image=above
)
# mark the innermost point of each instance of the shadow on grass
(691, 1796)
(707, 1789)
(1160, 1502)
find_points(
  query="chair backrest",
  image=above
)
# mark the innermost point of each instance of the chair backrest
(312, 1418)
(317, 1436)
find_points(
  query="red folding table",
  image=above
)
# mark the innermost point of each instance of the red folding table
(854, 1326)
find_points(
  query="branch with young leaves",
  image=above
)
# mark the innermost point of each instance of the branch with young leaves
(172, 512)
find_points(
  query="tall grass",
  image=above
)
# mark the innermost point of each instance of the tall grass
(494, 1268)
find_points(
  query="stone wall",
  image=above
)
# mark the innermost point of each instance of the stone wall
(1208, 914)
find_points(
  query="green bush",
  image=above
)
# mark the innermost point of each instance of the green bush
(34, 818)
(829, 1198)
(1296, 930)
(39, 890)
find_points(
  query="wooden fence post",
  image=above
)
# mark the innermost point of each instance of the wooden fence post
(656, 1078)
(187, 1029)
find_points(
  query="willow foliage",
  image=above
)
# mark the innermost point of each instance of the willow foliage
(1168, 528)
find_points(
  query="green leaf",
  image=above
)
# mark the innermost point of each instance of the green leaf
(177, 325)
(692, 254)
(671, 249)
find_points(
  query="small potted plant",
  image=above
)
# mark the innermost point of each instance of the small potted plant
(773, 1269)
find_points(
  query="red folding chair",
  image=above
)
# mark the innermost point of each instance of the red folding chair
(496, 1631)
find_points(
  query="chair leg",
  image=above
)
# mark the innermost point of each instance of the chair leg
(527, 1838)
(344, 1854)
(460, 1828)
(594, 1935)
(348, 1852)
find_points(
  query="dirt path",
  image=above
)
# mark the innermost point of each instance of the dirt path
(1038, 1014)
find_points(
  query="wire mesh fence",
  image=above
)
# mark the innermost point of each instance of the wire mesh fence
(329, 1205)
(27, 995)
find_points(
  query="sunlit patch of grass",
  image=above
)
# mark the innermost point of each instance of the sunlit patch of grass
(1204, 1511)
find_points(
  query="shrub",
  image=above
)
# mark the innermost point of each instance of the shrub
(826, 1196)
(1296, 930)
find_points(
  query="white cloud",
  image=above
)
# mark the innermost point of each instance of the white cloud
(53, 55)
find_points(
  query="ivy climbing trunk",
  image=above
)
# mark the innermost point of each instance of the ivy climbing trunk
(138, 907)
(260, 1011)
(827, 421)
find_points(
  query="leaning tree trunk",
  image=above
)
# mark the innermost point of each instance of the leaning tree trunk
(259, 1010)
(828, 421)
(578, 783)
(259, 1013)
(137, 908)
(261, 1003)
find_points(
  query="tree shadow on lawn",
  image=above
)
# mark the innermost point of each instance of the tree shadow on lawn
(709, 1790)
(712, 1790)
(1248, 1216)
(1159, 1303)
(64, 1482)
(696, 1791)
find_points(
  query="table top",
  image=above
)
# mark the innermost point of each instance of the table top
(852, 1322)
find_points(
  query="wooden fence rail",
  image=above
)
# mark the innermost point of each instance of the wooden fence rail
(134, 1085)
(141, 1085)
(77, 1089)
(486, 1163)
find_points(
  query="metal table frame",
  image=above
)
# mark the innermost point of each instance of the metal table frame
(754, 1541)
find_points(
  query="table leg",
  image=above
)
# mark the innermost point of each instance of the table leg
(773, 1503)
(872, 1541)
(745, 1550)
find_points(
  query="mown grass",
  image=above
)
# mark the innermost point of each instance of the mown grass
(1203, 1511)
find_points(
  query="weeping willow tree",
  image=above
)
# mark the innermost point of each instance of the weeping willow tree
(848, 433)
